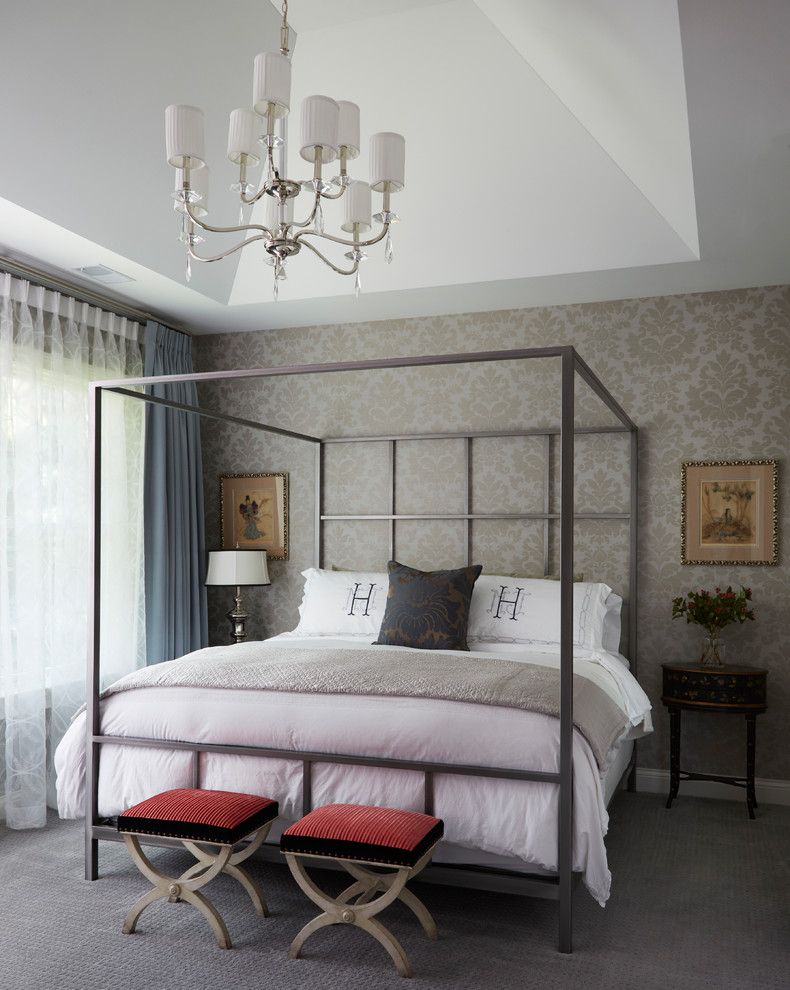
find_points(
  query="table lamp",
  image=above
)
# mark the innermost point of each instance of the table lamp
(235, 568)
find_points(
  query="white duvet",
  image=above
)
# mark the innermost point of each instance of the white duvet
(485, 820)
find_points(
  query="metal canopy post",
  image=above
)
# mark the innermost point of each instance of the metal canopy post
(565, 822)
(93, 680)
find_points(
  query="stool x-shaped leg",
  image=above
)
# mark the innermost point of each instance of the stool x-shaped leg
(204, 854)
(212, 859)
(368, 883)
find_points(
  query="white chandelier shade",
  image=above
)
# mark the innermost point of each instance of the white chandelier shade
(356, 208)
(329, 132)
(320, 124)
(243, 138)
(272, 86)
(184, 137)
(387, 162)
(348, 128)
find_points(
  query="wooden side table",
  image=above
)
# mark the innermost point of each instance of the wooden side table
(738, 690)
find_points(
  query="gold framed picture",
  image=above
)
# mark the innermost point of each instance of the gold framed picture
(253, 510)
(729, 512)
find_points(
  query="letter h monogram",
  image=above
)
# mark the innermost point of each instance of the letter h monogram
(361, 598)
(507, 602)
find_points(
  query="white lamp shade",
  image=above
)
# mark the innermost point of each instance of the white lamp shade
(348, 128)
(387, 161)
(198, 191)
(356, 207)
(184, 136)
(243, 137)
(271, 212)
(320, 122)
(272, 84)
(237, 567)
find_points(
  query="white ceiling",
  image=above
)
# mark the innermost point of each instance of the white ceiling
(557, 150)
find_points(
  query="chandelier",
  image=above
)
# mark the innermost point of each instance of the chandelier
(329, 132)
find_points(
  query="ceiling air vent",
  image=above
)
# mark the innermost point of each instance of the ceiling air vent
(101, 273)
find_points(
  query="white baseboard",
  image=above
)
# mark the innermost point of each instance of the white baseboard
(766, 791)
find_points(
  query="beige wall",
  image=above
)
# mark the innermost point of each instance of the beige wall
(704, 377)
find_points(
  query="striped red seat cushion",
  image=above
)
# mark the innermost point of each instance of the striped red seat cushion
(373, 835)
(199, 815)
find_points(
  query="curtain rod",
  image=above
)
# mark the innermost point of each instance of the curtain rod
(21, 270)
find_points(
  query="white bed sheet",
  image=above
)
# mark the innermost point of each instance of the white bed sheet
(486, 820)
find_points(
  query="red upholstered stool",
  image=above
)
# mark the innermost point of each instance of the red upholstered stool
(396, 844)
(209, 824)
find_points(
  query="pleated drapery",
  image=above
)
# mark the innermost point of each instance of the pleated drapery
(51, 347)
(175, 546)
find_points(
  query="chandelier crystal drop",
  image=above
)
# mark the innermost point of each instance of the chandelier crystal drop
(329, 133)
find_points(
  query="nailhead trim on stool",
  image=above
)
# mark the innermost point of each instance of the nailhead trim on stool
(353, 831)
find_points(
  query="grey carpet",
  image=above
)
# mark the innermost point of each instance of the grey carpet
(700, 898)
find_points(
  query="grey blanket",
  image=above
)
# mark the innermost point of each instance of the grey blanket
(391, 672)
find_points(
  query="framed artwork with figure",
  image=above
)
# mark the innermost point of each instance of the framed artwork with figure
(729, 512)
(253, 511)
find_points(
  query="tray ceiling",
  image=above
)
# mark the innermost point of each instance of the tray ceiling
(557, 150)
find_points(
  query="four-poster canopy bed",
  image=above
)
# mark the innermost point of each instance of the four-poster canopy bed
(338, 718)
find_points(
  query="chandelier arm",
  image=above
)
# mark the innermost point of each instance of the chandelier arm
(310, 217)
(255, 198)
(336, 195)
(238, 247)
(341, 240)
(340, 271)
(227, 230)
(307, 222)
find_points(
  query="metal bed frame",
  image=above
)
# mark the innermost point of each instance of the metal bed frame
(558, 886)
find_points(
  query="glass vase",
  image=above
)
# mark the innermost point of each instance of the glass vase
(712, 650)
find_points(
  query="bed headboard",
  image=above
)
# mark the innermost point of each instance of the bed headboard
(452, 499)
(438, 501)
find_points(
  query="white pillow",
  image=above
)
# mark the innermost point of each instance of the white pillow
(527, 611)
(342, 603)
(612, 627)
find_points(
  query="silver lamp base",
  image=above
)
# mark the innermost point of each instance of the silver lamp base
(238, 617)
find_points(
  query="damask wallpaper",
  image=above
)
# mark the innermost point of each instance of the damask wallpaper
(704, 377)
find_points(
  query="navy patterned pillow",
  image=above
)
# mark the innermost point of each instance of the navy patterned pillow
(427, 609)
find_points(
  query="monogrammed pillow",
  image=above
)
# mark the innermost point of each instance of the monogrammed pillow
(342, 603)
(526, 611)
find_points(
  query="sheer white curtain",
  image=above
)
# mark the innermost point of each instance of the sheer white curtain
(51, 347)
